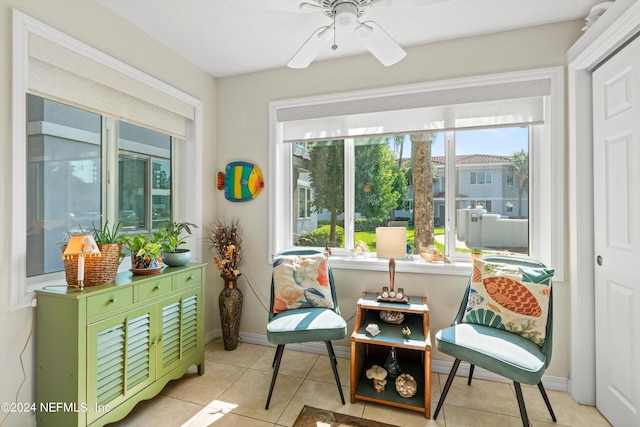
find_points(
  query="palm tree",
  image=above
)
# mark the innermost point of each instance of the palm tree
(422, 190)
(520, 169)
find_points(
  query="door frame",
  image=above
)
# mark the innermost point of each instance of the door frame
(613, 30)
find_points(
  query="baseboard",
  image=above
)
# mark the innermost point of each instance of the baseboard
(437, 366)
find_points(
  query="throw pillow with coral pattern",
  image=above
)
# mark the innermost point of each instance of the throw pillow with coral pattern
(510, 297)
(301, 281)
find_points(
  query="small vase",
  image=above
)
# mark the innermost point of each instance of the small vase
(391, 364)
(230, 303)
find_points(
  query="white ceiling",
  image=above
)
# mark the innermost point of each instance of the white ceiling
(230, 37)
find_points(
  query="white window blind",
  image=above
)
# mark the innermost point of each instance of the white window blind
(60, 74)
(505, 104)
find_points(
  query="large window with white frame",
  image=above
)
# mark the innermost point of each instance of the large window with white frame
(470, 162)
(94, 140)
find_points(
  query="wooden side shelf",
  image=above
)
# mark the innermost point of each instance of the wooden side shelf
(414, 354)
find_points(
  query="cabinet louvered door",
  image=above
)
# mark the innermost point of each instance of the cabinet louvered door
(124, 362)
(181, 327)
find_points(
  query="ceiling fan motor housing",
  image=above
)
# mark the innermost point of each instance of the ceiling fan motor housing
(345, 14)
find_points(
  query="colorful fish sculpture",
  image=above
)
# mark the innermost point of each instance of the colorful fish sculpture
(241, 181)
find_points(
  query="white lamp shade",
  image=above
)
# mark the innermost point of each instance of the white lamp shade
(391, 242)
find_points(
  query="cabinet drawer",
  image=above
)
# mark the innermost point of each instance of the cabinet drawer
(108, 301)
(154, 288)
(188, 278)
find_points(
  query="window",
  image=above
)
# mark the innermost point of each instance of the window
(65, 179)
(63, 158)
(382, 181)
(304, 203)
(480, 178)
(476, 142)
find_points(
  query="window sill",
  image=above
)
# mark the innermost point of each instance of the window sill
(409, 265)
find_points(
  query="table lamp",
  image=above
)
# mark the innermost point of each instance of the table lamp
(391, 242)
(81, 246)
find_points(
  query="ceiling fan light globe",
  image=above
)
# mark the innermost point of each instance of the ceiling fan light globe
(345, 14)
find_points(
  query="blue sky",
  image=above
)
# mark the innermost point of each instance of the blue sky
(496, 141)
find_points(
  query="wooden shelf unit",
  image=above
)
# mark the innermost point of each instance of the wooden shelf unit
(414, 354)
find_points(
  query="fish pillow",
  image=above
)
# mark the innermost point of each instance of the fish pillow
(301, 281)
(510, 297)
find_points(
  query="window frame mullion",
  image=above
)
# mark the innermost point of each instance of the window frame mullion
(451, 182)
(349, 192)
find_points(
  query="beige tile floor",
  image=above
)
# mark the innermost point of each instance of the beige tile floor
(234, 388)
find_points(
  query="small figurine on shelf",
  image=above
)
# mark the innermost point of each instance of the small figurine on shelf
(378, 374)
(406, 333)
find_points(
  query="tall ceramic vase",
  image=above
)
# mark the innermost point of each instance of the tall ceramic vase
(230, 303)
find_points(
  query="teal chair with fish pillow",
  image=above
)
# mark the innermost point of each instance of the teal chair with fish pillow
(504, 325)
(304, 307)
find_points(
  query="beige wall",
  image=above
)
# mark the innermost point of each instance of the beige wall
(243, 135)
(92, 24)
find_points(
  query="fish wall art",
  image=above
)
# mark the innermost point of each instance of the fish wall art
(241, 181)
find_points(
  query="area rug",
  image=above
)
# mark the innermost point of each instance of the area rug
(314, 417)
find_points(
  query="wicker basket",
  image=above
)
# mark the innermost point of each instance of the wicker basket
(97, 270)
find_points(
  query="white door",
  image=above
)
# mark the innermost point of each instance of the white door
(616, 145)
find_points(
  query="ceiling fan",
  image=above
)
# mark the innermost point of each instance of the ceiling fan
(345, 14)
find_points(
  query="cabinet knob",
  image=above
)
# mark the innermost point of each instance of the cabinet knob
(112, 300)
(156, 287)
(190, 278)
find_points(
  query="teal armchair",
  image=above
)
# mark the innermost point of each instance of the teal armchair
(498, 350)
(305, 324)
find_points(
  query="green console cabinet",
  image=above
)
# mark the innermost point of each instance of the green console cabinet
(102, 350)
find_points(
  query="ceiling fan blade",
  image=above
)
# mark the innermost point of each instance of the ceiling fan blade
(311, 48)
(379, 43)
(305, 6)
(376, 3)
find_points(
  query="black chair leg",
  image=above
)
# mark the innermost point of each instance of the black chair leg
(523, 409)
(470, 374)
(546, 400)
(276, 364)
(334, 365)
(447, 385)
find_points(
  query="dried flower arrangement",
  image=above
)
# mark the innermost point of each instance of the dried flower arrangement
(225, 244)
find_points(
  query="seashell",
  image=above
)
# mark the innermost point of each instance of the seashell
(406, 385)
(431, 254)
(512, 295)
(394, 317)
(392, 294)
(373, 329)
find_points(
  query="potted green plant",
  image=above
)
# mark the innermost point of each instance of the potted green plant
(171, 236)
(476, 253)
(146, 253)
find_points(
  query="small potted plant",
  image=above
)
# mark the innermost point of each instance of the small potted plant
(146, 254)
(171, 236)
(476, 253)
